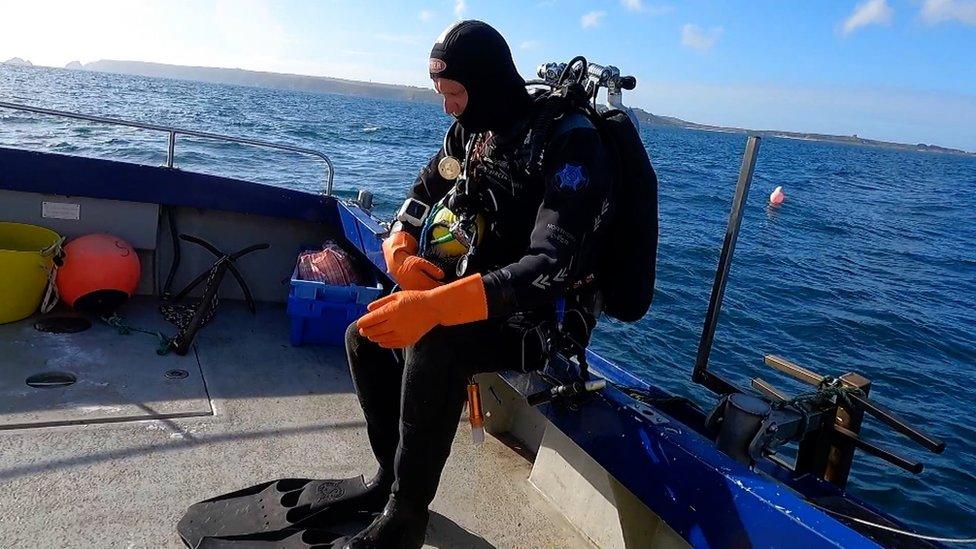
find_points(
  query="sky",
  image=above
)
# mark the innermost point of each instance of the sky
(898, 70)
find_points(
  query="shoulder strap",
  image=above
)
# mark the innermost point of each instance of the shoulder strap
(550, 107)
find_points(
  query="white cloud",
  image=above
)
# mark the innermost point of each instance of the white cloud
(460, 6)
(699, 39)
(425, 15)
(592, 19)
(654, 9)
(529, 45)
(869, 12)
(938, 11)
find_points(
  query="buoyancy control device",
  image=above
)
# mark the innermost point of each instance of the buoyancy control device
(626, 266)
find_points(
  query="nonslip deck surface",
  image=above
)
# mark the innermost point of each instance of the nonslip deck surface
(118, 377)
(277, 411)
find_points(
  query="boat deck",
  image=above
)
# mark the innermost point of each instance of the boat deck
(115, 459)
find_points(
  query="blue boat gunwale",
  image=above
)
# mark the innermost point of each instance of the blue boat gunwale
(41, 172)
(638, 452)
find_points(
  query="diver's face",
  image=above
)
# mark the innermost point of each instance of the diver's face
(454, 94)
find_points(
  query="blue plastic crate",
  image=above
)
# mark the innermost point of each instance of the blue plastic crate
(320, 313)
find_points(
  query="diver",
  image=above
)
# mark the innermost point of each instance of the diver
(468, 292)
(510, 216)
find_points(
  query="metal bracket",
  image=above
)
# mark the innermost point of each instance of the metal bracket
(649, 413)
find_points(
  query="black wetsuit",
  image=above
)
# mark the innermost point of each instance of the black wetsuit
(542, 228)
(541, 240)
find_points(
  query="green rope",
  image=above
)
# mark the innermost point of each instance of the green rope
(829, 391)
(118, 322)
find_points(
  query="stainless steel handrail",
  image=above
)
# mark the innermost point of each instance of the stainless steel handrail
(173, 132)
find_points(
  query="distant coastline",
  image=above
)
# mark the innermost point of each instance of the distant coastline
(399, 92)
(261, 79)
(646, 117)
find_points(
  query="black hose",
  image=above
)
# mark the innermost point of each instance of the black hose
(171, 218)
(568, 69)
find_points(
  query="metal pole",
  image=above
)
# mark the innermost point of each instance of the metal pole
(328, 181)
(701, 373)
(171, 149)
(172, 135)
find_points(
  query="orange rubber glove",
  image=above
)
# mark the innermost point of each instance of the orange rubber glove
(408, 270)
(400, 319)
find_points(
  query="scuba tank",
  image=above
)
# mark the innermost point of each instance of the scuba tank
(626, 264)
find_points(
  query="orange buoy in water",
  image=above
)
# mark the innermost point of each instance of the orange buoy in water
(777, 196)
(100, 272)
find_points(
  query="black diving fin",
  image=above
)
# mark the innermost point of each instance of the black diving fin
(285, 539)
(284, 505)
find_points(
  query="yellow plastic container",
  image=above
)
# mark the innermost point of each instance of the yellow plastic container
(26, 259)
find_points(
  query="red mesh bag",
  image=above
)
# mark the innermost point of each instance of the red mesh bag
(331, 265)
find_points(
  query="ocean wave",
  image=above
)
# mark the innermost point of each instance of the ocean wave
(863, 268)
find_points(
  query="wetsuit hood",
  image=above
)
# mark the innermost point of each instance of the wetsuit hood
(476, 55)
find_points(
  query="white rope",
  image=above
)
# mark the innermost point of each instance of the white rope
(51, 295)
(896, 530)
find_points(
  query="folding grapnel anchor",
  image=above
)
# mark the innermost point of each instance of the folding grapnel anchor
(826, 422)
(231, 258)
(204, 310)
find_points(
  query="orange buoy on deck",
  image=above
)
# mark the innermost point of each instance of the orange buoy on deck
(100, 272)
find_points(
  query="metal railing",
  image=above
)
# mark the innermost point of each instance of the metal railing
(173, 132)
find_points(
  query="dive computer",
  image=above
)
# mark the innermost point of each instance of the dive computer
(412, 212)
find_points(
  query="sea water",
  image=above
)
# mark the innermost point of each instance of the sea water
(869, 265)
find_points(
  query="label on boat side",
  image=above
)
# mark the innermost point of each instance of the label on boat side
(60, 210)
